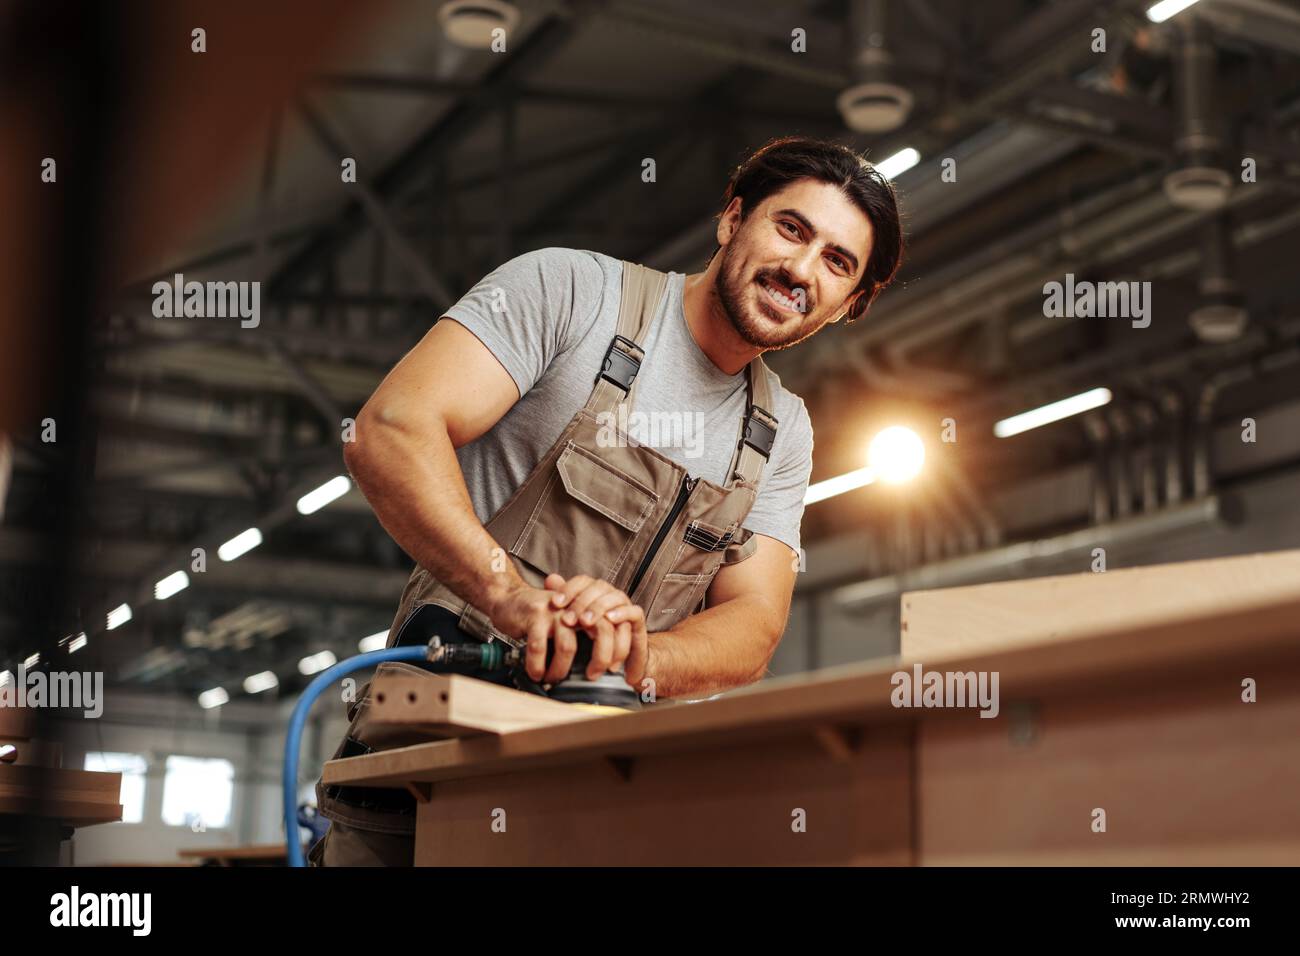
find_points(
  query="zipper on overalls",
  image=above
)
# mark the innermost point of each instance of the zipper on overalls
(684, 492)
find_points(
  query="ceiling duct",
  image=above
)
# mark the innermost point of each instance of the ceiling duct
(1222, 316)
(1199, 183)
(874, 103)
(1262, 22)
(1042, 555)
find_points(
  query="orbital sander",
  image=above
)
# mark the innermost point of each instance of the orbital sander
(493, 659)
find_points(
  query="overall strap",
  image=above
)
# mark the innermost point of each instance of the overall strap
(643, 292)
(757, 428)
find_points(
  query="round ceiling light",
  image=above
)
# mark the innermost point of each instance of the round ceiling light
(874, 107)
(472, 23)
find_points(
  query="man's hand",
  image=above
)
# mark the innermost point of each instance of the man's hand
(616, 625)
(527, 614)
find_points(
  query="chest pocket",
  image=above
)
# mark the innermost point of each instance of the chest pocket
(587, 519)
(710, 538)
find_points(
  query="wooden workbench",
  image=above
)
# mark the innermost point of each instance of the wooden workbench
(40, 802)
(1146, 723)
(260, 854)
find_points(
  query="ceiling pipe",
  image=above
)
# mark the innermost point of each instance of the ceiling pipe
(1097, 429)
(1002, 286)
(1261, 22)
(904, 308)
(934, 24)
(990, 531)
(1206, 400)
(1021, 559)
(1199, 183)
(1146, 417)
(1222, 316)
(1108, 239)
(1174, 446)
(952, 516)
(685, 29)
(945, 312)
(934, 315)
(1121, 460)
(874, 103)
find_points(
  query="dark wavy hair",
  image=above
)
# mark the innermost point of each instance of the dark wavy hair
(791, 158)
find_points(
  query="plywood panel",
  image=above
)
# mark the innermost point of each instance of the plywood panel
(1187, 773)
(237, 855)
(986, 618)
(720, 806)
(1146, 722)
(860, 694)
(76, 797)
(38, 753)
(451, 705)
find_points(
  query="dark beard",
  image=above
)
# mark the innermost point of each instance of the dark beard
(731, 288)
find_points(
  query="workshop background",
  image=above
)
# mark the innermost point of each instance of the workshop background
(1162, 152)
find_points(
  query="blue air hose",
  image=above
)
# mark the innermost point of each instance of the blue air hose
(293, 741)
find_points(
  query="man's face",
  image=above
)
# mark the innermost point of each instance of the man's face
(791, 265)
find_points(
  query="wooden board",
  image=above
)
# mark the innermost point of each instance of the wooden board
(1146, 722)
(988, 617)
(1187, 773)
(859, 695)
(234, 855)
(449, 705)
(34, 753)
(75, 797)
(728, 806)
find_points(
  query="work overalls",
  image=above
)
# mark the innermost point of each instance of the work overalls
(598, 503)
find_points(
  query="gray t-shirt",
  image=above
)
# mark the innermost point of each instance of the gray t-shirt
(548, 317)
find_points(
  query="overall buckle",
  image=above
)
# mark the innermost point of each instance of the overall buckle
(619, 367)
(759, 435)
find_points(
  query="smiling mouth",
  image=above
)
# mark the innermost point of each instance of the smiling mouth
(778, 297)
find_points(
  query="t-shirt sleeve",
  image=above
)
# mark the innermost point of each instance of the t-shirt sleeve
(531, 308)
(778, 509)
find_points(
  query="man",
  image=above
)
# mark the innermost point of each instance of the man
(809, 236)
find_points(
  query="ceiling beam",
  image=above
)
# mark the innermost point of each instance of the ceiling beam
(552, 35)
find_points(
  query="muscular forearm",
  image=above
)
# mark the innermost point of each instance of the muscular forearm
(720, 648)
(415, 486)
